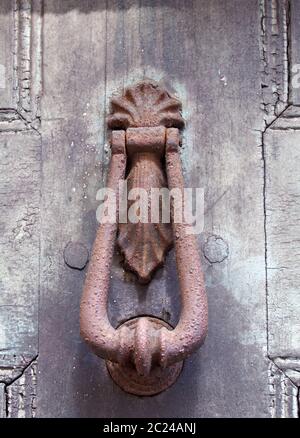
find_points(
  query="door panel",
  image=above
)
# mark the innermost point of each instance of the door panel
(227, 62)
(191, 48)
(20, 197)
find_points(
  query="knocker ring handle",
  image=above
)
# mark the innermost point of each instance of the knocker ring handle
(144, 355)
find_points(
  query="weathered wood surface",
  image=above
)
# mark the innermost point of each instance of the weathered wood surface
(19, 241)
(228, 62)
(295, 51)
(21, 394)
(282, 210)
(2, 401)
(6, 58)
(20, 58)
(20, 191)
(20, 202)
(274, 36)
(198, 49)
(284, 401)
(283, 231)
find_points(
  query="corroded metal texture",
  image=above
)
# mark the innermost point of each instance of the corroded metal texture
(145, 350)
(157, 379)
(145, 110)
(144, 245)
(143, 105)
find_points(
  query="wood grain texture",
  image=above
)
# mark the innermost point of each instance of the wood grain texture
(295, 52)
(274, 36)
(20, 185)
(73, 155)
(208, 52)
(21, 394)
(19, 239)
(284, 394)
(283, 231)
(20, 64)
(6, 60)
(2, 401)
(20, 165)
(211, 55)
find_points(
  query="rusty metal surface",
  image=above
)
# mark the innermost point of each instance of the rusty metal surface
(139, 382)
(95, 327)
(142, 346)
(145, 104)
(144, 245)
(144, 111)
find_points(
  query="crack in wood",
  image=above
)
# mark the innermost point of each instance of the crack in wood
(275, 55)
(25, 113)
(283, 394)
(21, 393)
(13, 366)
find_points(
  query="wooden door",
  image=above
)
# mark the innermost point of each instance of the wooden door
(234, 64)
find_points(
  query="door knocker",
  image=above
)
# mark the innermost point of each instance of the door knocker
(145, 355)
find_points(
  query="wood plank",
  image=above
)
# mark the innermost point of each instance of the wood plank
(274, 30)
(6, 54)
(72, 129)
(283, 246)
(19, 240)
(284, 395)
(209, 53)
(190, 48)
(2, 401)
(295, 52)
(21, 394)
(20, 64)
(20, 178)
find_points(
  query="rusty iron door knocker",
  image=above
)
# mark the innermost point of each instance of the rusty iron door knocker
(144, 355)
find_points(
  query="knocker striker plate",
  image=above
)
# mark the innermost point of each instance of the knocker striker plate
(159, 379)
